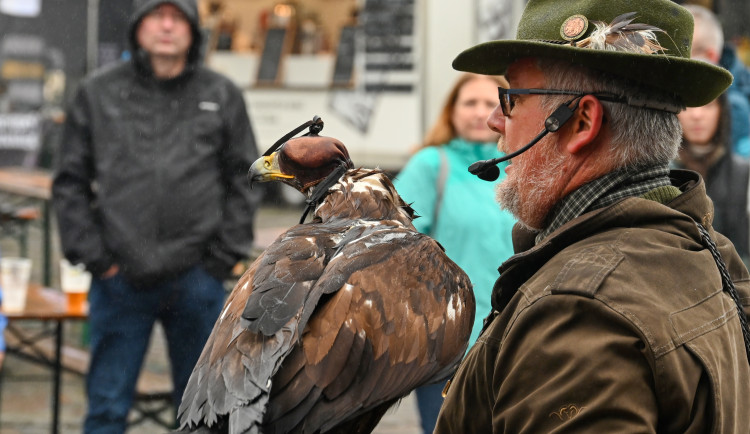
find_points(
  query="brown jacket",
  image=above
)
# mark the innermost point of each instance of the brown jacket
(616, 322)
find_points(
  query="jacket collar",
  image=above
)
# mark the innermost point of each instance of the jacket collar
(692, 205)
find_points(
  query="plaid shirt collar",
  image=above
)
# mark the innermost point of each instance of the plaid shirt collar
(605, 191)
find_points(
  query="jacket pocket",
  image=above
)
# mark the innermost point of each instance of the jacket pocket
(699, 319)
(206, 129)
(711, 332)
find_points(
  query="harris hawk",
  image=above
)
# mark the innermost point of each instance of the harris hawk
(340, 317)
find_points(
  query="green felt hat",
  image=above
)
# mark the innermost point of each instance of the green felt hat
(560, 29)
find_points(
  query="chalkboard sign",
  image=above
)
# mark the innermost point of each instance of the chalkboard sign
(343, 70)
(388, 27)
(274, 49)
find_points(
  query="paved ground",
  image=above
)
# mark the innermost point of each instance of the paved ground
(25, 389)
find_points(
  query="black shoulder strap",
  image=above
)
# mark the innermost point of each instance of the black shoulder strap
(727, 284)
(321, 189)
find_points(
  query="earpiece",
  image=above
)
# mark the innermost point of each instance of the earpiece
(558, 118)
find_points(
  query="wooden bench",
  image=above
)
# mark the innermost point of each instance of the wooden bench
(153, 392)
(15, 221)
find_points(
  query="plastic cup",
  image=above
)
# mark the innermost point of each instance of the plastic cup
(14, 280)
(75, 282)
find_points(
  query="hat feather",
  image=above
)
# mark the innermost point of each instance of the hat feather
(623, 35)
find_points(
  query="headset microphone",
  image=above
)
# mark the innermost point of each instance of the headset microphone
(487, 170)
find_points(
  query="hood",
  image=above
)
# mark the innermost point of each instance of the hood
(142, 7)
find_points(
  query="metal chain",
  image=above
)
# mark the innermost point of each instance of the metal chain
(728, 285)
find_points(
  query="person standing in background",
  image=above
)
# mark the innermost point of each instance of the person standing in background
(151, 195)
(708, 45)
(3, 324)
(455, 207)
(706, 149)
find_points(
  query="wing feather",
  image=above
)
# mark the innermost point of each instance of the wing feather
(344, 380)
(334, 362)
(331, 318)
(237, 364)
(395, 343)
(293, 365)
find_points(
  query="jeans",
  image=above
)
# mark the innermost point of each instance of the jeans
(429, 401)
(121, 319)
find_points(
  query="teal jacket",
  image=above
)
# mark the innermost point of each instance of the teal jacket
(474, 231)
(3, 324)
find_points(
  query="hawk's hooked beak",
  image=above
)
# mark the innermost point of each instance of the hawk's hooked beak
(266, 169)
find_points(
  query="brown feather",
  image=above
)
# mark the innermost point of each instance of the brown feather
(623, 35)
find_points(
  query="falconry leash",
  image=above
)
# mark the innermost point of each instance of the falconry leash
(727, 284)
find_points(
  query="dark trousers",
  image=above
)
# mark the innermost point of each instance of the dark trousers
(429, 400)
(121, 319)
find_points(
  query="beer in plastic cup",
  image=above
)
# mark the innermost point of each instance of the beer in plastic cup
(14, 280)
(75, 282)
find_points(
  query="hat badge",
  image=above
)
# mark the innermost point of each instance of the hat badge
(574, 27)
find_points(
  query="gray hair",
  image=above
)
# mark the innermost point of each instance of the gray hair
(708, 33)
(639, 136)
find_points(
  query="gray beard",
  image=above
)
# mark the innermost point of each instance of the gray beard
(509, 198)
(531, 204)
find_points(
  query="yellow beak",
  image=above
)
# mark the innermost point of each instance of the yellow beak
(266, 169)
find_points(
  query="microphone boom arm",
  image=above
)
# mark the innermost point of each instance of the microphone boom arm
(487, 169)
(481, 166)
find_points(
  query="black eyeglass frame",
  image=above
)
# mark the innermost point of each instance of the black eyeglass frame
(506, 104)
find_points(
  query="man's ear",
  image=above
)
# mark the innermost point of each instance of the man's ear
(585, 125)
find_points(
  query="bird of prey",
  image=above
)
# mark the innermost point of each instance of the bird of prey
(340, 317)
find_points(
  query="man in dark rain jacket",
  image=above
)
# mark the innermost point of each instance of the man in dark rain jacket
(151, 196)
(623, 310)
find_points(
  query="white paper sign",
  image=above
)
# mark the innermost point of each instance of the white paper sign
(20, 131)
(21, 8)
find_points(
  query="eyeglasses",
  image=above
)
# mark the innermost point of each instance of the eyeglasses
(507, 101)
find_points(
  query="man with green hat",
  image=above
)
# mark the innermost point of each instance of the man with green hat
(623, 310)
